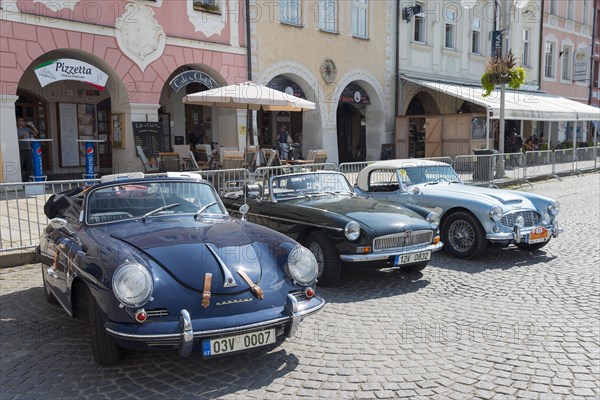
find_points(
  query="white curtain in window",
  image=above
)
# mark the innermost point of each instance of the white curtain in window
(289, 11)
(328, 15)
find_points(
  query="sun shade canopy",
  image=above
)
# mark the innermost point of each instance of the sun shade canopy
(249, 95)
(519, 104)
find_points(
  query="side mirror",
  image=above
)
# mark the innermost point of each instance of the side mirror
(58, 223)
(244, 210)
(416, 190)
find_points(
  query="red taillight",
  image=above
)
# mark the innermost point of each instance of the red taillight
(140, 316)
(309, 292)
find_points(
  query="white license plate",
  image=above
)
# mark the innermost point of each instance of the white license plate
(538, 235)
(412, 258)
(229, 344)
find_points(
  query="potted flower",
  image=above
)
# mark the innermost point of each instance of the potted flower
(499, 70)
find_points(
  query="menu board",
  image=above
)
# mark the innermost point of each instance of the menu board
(68, 134)
(149, 136)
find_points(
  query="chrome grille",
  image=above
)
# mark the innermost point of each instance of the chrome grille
(399, 240)
(157, 312)
(531, 218)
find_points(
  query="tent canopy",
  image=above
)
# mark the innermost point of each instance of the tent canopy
(519, 105)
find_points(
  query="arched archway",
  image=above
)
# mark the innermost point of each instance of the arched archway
(366, 116)
(68, 109)
(314, 129)
(185, 124)
(420, 106)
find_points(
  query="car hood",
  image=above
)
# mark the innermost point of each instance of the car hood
(506, 198)
(380, 216)
(189, 252)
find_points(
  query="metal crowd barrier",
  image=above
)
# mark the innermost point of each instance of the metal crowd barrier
(22, 217)
(22, 204)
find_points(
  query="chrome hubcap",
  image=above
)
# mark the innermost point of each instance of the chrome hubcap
(461, 236)
(318, 253)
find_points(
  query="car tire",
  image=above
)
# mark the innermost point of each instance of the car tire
(463, 235)
(104, 349)
(328, 259)
(50, 299)
(413, 268)
(532, 247)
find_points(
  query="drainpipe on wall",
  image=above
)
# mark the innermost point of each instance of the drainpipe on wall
(594, 22)
(249, 128)
(397, 68)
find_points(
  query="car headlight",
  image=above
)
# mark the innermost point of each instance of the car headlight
(434, 220)
(132, 284)
(554, 207)
(302, 266)
(496, 213)
(352, 230)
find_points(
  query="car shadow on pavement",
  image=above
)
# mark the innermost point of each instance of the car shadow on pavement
(36, 336)
(358, 284)
(495, 258)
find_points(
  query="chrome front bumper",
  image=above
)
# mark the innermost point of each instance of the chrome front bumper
(384, 255)
(295, 311)
(518, 234)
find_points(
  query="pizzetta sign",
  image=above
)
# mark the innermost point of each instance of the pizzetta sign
(68, 69)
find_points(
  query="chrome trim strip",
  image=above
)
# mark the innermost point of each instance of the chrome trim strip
(292, 308)
(217, 331)
(384, 255)
(187, 339)
(523, 232)
(297, 222)
(229, 280)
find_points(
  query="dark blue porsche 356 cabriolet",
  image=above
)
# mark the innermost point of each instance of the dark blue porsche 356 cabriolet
(158, 263)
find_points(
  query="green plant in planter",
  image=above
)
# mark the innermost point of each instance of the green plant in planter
(499, 70)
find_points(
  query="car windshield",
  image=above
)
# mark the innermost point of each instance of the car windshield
(154, 198)
(309, 184)
(427, 174)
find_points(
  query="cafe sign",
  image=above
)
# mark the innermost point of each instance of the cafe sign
(72, 70)
(192, 76)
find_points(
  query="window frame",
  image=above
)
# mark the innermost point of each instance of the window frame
(553, 7)
(325, 25)
(526, 57)
(450, 25)
(476, 30)
(550, 66)
(284, 17)
(566, 61)
(360, 5)
(423, 22)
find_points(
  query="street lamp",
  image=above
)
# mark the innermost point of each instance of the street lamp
(505, 7)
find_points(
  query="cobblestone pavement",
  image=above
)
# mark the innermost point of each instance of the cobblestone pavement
(514, 324)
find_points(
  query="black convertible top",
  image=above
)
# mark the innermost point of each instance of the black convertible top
(65, 204)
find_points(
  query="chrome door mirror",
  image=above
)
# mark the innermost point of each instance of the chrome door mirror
(244, 210)
(416, 190)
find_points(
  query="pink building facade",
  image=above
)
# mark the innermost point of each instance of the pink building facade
(566, 51)
(145, 54)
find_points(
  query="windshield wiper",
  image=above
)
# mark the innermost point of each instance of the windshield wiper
(159, 209)
(203, 208)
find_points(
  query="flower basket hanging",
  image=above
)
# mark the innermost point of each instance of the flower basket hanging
(499, 70)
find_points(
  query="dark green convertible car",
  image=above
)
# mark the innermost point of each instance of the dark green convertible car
(320, 210)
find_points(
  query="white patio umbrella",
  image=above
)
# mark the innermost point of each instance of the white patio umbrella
(249, 95)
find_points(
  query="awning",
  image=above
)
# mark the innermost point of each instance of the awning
(519, 104)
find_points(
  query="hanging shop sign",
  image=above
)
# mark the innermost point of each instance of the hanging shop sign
(187, 77)
(73, 70)
(354, 94)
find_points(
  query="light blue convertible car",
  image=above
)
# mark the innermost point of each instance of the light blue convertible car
(471, 217)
